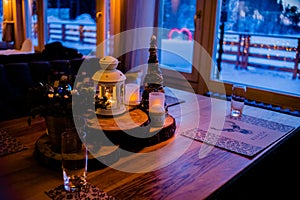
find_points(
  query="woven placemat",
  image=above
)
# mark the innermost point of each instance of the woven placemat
(9, 144)
(88, 192)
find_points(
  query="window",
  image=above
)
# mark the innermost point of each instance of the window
(252, 54)
(176, 42)
(208, 68)
(75, 23)
(177, 18)
(240, 37)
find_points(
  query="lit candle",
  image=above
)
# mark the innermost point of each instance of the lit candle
(156, 98)
(132, 94)
(113, 104)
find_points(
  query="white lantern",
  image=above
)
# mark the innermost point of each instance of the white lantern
(110, 82)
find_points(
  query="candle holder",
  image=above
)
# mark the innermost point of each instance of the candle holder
(156, 98)
(157, 109)
(132, 94)
(110, 83)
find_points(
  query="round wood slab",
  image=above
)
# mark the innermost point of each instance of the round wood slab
(106, 136)
(131, 129)
(160, 134)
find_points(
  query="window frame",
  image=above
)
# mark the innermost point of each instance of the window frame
(172, 77)
(100, 25)
(205, 34)
(208, 35)
(41, 24)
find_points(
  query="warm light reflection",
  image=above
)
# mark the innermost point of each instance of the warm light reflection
(156, 98)
(132, 94)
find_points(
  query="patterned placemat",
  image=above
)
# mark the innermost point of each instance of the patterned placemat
(89, 192)
(246, 135)
(9, 144)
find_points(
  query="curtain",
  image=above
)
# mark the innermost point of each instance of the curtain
(139, 19)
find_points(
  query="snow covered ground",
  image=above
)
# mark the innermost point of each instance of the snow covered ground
(262, 78)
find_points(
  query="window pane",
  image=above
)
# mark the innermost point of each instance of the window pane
(176, 44)
(73, 23)
(259, 45)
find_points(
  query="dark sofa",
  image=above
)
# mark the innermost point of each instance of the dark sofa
(20, 72)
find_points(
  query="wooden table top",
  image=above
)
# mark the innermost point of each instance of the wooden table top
(179, 168)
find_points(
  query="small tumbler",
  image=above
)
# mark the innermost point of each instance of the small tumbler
(238, 100)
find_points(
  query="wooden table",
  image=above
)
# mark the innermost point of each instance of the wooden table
(179, 168)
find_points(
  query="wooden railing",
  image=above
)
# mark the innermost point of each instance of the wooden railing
(256, 50)
(276, 52)
(83, 33)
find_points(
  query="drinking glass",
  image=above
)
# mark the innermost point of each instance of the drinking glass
(237, 100)
(74, 159)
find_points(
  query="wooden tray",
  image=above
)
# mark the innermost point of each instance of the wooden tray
(108, 136)
(132, 129)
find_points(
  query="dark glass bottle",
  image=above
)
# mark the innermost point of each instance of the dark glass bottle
(153, 81)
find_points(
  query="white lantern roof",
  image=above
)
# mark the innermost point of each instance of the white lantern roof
(109, 72)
